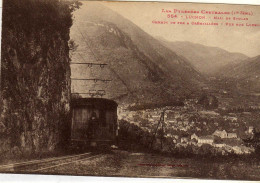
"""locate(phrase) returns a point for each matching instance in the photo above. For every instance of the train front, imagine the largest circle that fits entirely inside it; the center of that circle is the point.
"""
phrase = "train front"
(94, 122)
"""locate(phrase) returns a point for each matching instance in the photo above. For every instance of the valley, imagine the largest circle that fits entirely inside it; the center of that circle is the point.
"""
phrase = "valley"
(200, 89)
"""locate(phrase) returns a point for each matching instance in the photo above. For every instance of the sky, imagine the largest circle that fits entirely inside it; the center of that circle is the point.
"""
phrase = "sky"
(242, 39)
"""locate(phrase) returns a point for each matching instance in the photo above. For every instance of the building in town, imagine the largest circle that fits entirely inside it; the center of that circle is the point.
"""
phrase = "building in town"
(209, 139)
(221, 134)
(184, 139)
(250, 129)
(231, 135)
(194, 136)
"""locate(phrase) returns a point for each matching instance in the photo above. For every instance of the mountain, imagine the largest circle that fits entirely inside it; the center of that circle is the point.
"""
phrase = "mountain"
(140, 67)
(205, 59)
(246, 74)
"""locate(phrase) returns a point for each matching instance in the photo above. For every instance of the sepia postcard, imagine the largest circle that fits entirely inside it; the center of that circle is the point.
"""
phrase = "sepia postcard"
(130, 89)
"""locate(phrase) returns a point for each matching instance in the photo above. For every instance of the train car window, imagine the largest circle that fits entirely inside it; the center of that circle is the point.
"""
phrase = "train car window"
(103, 118)
(85, 117)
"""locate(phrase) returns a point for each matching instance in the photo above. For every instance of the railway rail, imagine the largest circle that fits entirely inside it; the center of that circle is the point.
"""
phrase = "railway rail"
(36, 166)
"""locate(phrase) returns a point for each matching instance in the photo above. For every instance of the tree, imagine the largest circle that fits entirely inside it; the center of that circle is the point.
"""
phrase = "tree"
(254, 141)
(205, 149)
(208, 101)
(72, 45)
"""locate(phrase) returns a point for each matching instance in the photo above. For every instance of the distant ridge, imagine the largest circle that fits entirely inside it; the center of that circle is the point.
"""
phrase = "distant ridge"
(207, 60)
(246, 74)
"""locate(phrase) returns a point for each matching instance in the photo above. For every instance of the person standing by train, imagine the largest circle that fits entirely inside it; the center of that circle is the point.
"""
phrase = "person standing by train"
(92, 126)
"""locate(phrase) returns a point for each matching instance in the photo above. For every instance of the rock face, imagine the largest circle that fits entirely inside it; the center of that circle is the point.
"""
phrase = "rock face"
(35, 72)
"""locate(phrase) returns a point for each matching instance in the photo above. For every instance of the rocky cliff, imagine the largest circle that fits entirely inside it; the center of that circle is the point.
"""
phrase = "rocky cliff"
(35, 72)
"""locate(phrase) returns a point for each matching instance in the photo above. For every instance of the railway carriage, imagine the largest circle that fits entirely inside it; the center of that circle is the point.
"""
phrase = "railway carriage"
(94, 122)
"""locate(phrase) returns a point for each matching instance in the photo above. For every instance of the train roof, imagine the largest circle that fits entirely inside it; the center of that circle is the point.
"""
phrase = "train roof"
(98, 103)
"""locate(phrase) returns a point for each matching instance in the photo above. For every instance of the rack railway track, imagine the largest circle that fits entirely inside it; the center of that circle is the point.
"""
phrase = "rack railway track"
(37, 166)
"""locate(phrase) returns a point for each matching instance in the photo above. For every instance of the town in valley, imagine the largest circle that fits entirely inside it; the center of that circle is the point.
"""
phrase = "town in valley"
(191, 127)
